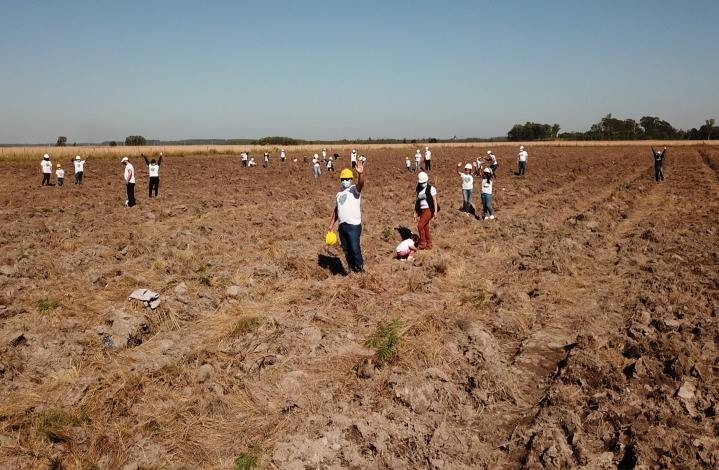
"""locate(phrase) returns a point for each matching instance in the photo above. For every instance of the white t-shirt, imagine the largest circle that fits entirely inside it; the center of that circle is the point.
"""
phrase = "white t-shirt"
(467, 181)
(46, 166)
(79, 165)
(405, 245)
(486, 186)
(353, 156)
(329, 163)
(417, 156)
(282, 155)
(324, 154)
(60, 173)
(523, 156)
(129, 173)
(427, 155)
(423, 204)
(494, 158)
(243, 156)
(316, 163)
(348, 206)
(407, 163)
(252, 162)
(154, 169)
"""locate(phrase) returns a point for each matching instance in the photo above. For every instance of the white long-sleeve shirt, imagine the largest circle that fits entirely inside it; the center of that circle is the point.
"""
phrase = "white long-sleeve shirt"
(129, 173)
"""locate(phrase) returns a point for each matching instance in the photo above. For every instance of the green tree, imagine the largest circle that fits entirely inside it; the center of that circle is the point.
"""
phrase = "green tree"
(709, 123)
(135, 140)
(61, 141)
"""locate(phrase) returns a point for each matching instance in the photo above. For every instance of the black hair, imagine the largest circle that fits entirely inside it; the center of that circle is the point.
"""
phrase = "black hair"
(404, 232)
(153, 161)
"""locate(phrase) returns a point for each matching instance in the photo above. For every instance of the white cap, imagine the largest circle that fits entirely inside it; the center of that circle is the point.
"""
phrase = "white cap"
(422, 177)
(77, 157)
(468, 166)
(124, 159)
(426, 148)
(489, 152)
(521, 147)
(316, 155)
(487, 170)
(46, 156)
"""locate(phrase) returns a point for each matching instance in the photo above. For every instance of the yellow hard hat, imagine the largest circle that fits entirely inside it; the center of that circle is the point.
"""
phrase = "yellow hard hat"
(59, 166)
(346, 174)
(331, 238)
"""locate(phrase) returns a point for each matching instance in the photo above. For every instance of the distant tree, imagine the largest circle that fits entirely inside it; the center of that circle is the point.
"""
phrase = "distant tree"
(113, 143)
(531, 131)
(709, 123)
(432, 140)
(135, 141)
(74, 144)
(61, 141)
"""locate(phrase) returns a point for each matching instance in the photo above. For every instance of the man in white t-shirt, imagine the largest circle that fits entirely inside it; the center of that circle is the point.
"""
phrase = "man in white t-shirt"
(417, 160)
(46, 166)
(243, 158)
(349, 215)
(427, 159)
(129, 175)
(467, 186)
(316, 166)
(60, 175)
(522, 157)
(79, 169)
(282, 155)
(353, 158)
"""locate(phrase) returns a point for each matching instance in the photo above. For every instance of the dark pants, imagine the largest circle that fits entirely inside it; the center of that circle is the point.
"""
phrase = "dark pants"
(428, 165)
(522, 168)
(154, 185)
(487, 205)
(425, 233)
(130, 194)
(350, 240)
(494, 167)
(45, 179)
(60, 181)
(354, 164)
(244, 162)
(659, 172)
(78, 177)
(467, 200)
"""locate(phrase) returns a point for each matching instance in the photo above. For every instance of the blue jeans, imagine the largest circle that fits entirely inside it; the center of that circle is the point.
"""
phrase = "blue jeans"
(350, 240)
(487, 204)
(522, 168)
(467, 200)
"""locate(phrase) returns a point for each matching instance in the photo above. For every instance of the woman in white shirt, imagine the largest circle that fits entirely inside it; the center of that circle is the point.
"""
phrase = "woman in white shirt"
(467, 186)
(487, 194)
(153, 168)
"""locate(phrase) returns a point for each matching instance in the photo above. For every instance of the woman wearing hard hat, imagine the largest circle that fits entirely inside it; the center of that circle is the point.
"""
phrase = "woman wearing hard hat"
(487, 194)
(348, 213)
(467, 186)
(426, 206)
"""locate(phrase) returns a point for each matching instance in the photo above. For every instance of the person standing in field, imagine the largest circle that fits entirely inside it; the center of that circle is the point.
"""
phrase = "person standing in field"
(487, 194)
(467, 186)
(522, 159)
(153, 168)
(129, 175)
(282, 155)
(46, 166)
(353, 158)
(324, 155)
(243, 158)
(427, 159)
(417, 160)
(330, 165)
(493, 164)
(426, 207)
(60, 175)
(659, 164)
(316, 166)
(79, 169)
(349, 215)
(408, 164)
(266, 160)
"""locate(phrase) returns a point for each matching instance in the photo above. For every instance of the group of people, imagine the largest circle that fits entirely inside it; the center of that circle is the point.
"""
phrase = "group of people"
(418, 161)
(46, 167)
(153, 169)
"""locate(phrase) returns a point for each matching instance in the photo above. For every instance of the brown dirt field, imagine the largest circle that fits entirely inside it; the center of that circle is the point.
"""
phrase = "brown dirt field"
(578, 330)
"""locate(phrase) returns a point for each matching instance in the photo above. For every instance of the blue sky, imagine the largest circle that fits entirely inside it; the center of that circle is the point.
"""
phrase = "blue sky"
(94, 70)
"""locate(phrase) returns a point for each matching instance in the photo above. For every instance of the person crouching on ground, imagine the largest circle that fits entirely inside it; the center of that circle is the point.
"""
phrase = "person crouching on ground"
(467, 186)
(46, 166)
(487, 194)
(348, 213)
(426, 207)
(60, 175)
(407, 247)
(129, 175)
(153, 168)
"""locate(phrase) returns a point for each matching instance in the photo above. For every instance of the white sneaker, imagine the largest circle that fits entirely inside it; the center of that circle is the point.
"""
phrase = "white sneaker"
(491, 217)
(486, 218)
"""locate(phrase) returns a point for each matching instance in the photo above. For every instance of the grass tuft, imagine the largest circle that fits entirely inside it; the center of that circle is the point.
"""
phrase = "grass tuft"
(245, 461)
(244, 325)
(45, 306)
(385, 341)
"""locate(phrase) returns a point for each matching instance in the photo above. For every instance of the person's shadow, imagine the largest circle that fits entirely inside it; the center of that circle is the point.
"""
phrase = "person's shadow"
(332, 263)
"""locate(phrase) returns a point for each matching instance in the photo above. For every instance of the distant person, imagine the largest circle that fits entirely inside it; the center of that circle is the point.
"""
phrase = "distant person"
(659, 163)
(522, 159)
(427, 159)
(330, 165)
(417, 160)
(467, 186)
(324, 155)
(243, 158)
(348, 213)
(79, 169)
(493, 164)
(282, 155)
(426, 206)
(129, 176)
(487, 194)
(316, 166)
(60, 175)
(408, 164)
(353, 158)
(46, 166)
(251, 162)
(153, 168)
(266, 160)
(363, 159)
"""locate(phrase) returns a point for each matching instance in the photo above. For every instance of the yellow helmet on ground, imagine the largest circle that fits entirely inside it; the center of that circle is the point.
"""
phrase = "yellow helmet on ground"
(331, 238)
(346, 174)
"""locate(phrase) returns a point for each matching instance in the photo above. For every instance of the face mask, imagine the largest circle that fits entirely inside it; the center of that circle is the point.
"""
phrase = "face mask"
(346, 183)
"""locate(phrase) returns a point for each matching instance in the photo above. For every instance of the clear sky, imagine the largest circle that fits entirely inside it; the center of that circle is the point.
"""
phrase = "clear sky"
(99, 70)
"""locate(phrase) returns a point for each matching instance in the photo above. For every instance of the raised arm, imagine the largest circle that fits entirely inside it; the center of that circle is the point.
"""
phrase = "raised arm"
(159, 160)
(147, 162)
(360, 176)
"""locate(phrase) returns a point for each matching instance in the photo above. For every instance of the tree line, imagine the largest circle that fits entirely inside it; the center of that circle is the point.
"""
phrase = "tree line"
(611, 128)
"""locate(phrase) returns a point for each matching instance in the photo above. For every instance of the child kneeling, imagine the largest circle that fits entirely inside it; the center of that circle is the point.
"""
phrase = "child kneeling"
(407, 248)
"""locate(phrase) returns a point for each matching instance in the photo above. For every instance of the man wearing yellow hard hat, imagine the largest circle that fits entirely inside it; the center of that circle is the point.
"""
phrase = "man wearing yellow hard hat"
(348, 213)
